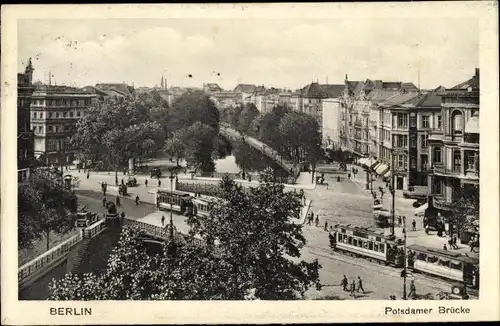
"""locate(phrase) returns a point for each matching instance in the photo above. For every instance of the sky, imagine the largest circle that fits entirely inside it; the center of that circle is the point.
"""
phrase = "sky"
(281, 53)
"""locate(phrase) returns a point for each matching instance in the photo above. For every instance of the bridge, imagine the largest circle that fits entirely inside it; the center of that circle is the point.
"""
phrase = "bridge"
(35, 269)
(264, 149)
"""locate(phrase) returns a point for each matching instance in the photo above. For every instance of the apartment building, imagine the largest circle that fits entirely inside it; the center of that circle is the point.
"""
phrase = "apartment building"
(360, 117)
(454, 147)
(55, 111)
(244, 93)
(25, 137)
(405, 121)
(330, 128)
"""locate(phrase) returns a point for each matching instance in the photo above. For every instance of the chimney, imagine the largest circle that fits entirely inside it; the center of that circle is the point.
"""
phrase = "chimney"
(477, 72)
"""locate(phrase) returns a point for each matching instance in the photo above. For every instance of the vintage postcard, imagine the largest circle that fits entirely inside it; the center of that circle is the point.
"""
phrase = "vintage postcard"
(249, 163)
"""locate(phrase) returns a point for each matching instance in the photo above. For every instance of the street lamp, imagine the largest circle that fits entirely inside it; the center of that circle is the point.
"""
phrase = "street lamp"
(171, 177)
(391, 188)
(405, 259)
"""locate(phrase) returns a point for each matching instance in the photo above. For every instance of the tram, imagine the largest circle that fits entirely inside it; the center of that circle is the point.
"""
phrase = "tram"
(361, 242)
(202, 206)
(444, 264)
(180, 201)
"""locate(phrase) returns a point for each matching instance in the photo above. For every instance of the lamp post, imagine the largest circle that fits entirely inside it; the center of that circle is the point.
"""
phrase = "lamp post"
(171, 177)
(393, 204)
(405, 259)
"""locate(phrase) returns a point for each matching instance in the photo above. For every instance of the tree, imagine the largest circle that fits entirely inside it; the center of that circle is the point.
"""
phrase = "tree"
(117, 130)
(44, 206)
(254, 232)
(247, 115)
(465, 215)
(192, 107)
(175, 147)
(249, 251)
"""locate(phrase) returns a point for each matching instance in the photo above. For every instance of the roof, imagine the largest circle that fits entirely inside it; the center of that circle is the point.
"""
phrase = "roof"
(60, 89)
(120, 87)
(444, 253)
(332, 91)
(472, 82)
(245, 88)
(409, 86)
(213, 87)
(426, 100)
(316, 90)
(380, 95)
(399, 98)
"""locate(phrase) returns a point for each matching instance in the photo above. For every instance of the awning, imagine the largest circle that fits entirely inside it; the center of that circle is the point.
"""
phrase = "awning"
(362, 160)
(472, 126)
(381, 169)
(387, 174)
(376, 166)
(419, 211)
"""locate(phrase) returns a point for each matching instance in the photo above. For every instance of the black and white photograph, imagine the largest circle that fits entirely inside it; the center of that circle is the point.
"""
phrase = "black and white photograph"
(260, 159)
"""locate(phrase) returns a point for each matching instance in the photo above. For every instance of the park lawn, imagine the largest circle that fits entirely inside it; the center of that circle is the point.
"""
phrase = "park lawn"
(25, 255)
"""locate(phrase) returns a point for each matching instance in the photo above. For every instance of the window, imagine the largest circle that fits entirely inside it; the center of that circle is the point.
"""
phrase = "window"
(64, 114)
(457, 122)
(34, 115)
(71, 114)
(66, 128)
(50, 128)
(77, 113)
(413, 141)
(439, 121)
(57, 114)
(51, 145)
(413, 120)
(472, 161)
(437, 188)
(400, 161)
(402, 120)
(413, 162)
(40, 129)
(57, 128)
(437, 155)
(51, 114)
(423, 162)
(457, 161)
(425, 121)
(423, 141)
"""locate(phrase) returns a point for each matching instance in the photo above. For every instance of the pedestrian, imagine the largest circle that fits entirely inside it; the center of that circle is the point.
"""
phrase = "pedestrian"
(146, 182)
(326, 226)
(400, 221)
(455, 246)
(413, 290)
(249, 178)
(414, 225)
(159, 182)
(137, 200)
(472, 245)
(88, 174)
(348, 176)
(117, 200)
(360, 285)
(444, 247)
(353, 289)
(316, 221)
(243, 175)
(104, 202)
(122, 215)
(78, 169)
(162, 220)
(344, 284)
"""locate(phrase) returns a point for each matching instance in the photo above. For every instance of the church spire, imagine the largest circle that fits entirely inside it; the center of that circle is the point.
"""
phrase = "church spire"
(162, 82)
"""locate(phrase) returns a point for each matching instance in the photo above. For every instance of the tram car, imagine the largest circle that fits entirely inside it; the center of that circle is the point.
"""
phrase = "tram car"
(361, 242)
(180, 201)
(202, 206)
(444, 264)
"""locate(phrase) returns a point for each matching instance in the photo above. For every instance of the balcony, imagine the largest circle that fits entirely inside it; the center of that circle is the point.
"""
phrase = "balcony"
(440, 202)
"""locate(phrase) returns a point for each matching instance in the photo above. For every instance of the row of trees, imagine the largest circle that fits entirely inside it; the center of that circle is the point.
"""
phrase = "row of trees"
(44, 207)
(294, 134)
(257, 251)
(120, 129)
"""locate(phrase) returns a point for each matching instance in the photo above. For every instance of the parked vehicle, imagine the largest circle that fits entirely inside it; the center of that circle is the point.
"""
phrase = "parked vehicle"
(132, 182)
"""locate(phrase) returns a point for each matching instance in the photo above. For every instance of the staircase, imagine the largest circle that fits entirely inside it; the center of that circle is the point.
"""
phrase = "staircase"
(76, 256)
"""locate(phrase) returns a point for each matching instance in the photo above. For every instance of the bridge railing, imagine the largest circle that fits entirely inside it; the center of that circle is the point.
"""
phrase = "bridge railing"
(94, 229)
(47, 258)
(152, 230)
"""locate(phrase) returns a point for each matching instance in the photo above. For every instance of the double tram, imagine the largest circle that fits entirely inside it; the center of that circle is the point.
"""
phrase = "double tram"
(444, 264)
(179, 201)
(361, 242)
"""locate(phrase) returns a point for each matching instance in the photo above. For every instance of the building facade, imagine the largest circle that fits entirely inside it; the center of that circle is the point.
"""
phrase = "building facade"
(244, 93)
(454, 148)
(361, 120)
(55, 111)
(330, 128)
(25, 136)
